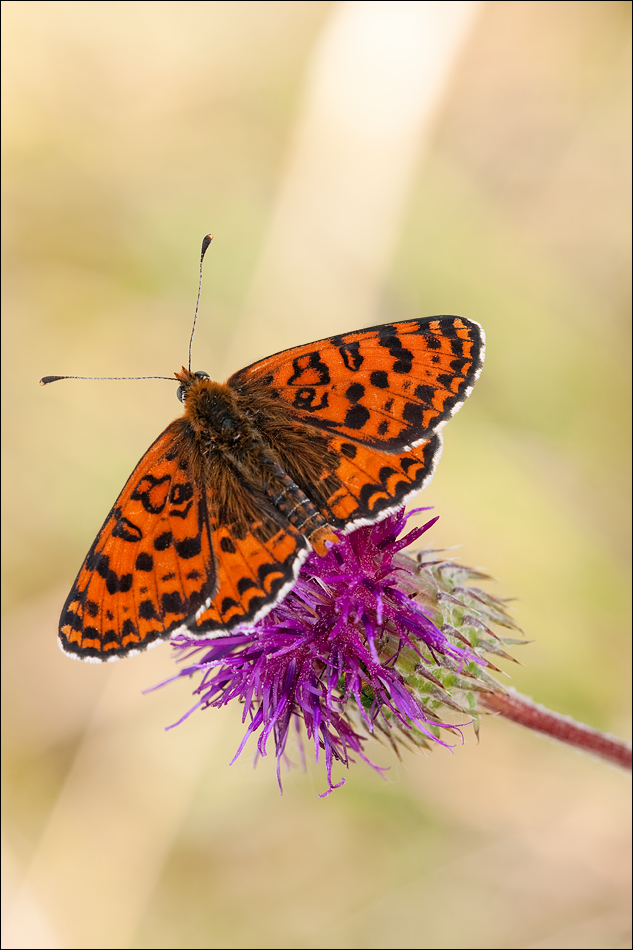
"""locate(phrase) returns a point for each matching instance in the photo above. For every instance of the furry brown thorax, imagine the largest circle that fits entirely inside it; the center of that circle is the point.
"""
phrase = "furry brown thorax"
(216, 428)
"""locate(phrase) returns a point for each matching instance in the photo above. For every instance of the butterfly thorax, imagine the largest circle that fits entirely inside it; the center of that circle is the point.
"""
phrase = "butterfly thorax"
(213, 413)
(219, 431)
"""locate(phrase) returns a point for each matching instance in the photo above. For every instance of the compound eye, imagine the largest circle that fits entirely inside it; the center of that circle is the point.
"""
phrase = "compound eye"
(202, 375)
(181, 392)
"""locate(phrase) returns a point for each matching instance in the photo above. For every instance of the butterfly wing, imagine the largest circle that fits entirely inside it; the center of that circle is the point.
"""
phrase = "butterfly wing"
(151, 565)
(257, 562)
(375, 484)
(354, 419)
(168, 559)
(388, 387)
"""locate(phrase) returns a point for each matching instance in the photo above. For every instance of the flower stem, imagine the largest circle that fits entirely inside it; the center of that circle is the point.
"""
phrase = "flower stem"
(525, 712)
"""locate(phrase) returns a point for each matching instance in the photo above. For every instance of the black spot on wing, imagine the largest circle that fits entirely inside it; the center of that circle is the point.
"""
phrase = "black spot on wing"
(70, 619)
(351, 356)
(114, 584)
(125, 583)
(189, 547)
(163, 541)
(379, 379)
(227, 605)
(356, 417)
(457, 366)
(152, 492)
(306, 399)
(385, 473)
(425, 393)
(389, 338)
(181, 493)
(447, 327)
(355, 392)
(171, 603)
(244, 584)
(128, 628)
(144, 562)
(413, 414)
(265, 569)
(146, 610)
(125, 529)
(368, 505)
(310, 363)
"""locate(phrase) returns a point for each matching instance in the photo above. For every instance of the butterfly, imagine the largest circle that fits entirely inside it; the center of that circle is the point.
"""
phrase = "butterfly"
(213, 525)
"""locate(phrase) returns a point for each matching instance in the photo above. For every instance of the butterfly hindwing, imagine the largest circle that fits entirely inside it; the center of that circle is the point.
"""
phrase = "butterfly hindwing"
(388, 387)
(257, 563)
(375, 484)
(350, 484)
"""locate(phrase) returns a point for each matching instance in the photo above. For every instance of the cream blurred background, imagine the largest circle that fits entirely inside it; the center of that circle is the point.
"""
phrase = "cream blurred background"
(357, 163)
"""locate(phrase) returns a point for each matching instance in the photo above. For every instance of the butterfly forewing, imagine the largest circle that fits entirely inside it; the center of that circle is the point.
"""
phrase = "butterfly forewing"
(151, 565)
(387, 387)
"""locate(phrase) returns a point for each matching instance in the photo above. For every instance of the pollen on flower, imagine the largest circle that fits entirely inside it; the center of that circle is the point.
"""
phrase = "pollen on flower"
(368, 642)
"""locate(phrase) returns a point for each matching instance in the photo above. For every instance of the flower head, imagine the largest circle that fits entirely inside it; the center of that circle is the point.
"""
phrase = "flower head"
(367, 642)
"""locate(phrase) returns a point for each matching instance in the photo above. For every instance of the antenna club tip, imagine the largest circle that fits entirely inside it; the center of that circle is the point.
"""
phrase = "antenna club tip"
(45, 380)
(205, 243)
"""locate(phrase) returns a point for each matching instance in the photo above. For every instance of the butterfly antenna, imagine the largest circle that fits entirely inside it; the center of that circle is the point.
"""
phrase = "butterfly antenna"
(205, 244)
(45, 380)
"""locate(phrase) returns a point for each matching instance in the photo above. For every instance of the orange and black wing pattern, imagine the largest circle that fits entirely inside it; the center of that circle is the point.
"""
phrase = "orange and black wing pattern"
(257, 563)
(165, 562)
(388, 387)
(150, 567)
(375, 484)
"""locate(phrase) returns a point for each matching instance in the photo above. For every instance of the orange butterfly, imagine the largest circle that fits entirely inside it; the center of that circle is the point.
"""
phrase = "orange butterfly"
(214, 523)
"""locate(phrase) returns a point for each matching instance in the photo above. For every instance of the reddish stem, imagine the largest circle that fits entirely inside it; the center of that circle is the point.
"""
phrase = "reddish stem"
(525, 712)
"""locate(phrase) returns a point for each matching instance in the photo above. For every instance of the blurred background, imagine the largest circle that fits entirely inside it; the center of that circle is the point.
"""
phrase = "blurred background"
(357, 163)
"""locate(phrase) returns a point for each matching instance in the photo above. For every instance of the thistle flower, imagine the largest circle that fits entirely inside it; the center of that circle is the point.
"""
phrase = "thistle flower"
(368, 642)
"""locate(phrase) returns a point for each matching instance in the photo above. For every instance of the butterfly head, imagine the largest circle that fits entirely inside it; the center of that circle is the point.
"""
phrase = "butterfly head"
(186, 379)
(211, 408)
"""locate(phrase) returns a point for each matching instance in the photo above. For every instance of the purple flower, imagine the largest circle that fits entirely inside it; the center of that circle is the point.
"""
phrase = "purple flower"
(356, 649)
